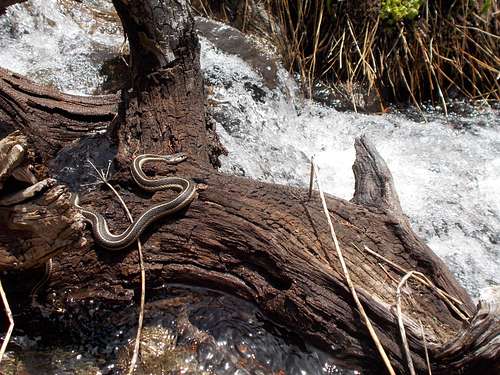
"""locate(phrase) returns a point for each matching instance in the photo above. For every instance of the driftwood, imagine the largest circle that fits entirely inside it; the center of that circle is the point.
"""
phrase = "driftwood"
(6, 3)
(266, 243)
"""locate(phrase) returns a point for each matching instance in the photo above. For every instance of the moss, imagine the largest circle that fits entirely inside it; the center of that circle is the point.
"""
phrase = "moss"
(393, 11)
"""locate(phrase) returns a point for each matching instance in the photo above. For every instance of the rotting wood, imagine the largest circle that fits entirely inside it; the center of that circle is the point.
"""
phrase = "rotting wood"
(6, 3)
(266, 243)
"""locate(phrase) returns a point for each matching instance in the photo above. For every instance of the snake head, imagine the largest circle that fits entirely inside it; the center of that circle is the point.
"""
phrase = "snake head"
(175, 158)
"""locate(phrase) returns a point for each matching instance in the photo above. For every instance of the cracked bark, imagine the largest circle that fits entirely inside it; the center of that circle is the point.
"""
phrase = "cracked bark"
(266, 243)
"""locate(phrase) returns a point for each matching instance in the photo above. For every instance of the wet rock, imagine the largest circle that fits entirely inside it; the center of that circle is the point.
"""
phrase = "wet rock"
(348, 97)
(234, 42)
(258, 94)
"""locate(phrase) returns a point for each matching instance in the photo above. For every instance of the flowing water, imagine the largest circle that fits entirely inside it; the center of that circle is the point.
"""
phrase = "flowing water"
(446, 169)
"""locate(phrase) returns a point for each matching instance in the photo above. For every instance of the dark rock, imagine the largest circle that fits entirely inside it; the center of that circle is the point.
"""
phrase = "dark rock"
(234, 42)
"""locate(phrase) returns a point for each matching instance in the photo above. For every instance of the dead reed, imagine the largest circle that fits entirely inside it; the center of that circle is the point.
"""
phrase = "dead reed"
(444, 50)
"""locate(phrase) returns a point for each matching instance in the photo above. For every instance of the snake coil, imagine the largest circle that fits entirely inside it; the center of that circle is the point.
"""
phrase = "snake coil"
(187, 193)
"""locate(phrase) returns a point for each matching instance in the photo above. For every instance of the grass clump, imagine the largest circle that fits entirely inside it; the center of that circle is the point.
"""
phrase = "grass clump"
(403, 49)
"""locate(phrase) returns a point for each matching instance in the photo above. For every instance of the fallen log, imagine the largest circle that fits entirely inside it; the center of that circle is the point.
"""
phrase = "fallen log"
(266, 243)
(6, 3)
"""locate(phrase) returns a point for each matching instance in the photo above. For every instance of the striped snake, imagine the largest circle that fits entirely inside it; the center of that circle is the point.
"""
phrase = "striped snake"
(120, 241)
(100, 228)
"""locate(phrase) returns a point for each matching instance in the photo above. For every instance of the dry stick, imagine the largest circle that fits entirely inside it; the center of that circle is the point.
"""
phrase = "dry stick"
(401, 324)
(341, 49)
(425, 348)
(311, 179)
(348, 279)
(11, 322)
(133, 362)
(419, 277)
(387, 273)
(121, 51)
(446, 296)
(361, 58)
(315, 50)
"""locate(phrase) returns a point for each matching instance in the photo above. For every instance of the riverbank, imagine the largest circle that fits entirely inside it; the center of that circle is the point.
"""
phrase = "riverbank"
(397, 50)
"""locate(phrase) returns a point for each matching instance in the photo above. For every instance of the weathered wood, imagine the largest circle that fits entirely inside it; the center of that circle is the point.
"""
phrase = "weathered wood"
(374, 186)
(33, 226)
(51, 119)
(265, 243)
(6, 3)
(12, 152)
(166, 109)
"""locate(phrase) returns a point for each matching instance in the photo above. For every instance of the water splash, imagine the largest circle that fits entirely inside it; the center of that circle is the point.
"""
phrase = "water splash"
(59, 42)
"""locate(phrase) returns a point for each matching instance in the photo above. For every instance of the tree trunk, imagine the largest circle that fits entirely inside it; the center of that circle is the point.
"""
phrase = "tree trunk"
(266, 243)
(6, 3)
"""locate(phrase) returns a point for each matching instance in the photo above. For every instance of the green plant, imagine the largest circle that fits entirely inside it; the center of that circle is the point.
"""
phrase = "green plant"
(398, 10)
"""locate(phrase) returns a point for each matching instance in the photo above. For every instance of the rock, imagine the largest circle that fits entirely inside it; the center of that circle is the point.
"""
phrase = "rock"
(234, 42)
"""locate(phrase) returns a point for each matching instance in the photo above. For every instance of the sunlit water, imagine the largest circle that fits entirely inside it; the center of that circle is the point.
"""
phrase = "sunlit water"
(186, 331)
(59, 42)
(446, 170)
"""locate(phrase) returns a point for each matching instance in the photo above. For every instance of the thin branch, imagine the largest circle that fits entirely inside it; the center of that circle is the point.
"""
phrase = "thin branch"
(401, 324)
(311, 179)
(427, 360)
(448, 298)
(424, 280)
(8, 312)
(362, 312)
(104, 177)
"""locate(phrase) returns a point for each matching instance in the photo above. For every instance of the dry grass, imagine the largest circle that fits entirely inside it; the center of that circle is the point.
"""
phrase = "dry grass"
(8, 312)
(452, 49)
(345, 271)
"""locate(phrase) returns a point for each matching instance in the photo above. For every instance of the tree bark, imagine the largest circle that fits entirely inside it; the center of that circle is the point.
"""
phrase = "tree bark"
(266, 243)
(53, 120)
(6, 3)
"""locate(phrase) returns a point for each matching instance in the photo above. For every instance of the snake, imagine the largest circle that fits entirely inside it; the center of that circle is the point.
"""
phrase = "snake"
(187, 193)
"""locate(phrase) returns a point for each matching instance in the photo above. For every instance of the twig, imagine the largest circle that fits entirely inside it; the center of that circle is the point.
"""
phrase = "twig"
(104, 177)
(8, 312)
(348, 279)
(425, 348)
(423, 281)
(311, 179)
(387, 273)
(121, 51)
(401, 324)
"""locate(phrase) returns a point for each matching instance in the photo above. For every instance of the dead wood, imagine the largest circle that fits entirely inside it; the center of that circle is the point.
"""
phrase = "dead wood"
(51, 119)
(6, 3)
(265, 243)
(33, 226)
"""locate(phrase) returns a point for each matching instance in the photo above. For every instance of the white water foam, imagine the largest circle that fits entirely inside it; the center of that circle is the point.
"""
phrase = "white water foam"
(57, 43)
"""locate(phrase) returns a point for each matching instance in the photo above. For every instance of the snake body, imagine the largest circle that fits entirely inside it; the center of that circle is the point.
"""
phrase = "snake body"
(120, 241)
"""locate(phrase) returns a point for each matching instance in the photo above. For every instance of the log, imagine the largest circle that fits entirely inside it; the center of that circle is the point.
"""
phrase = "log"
(60, 118)
(6, 3)
(266, 243)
